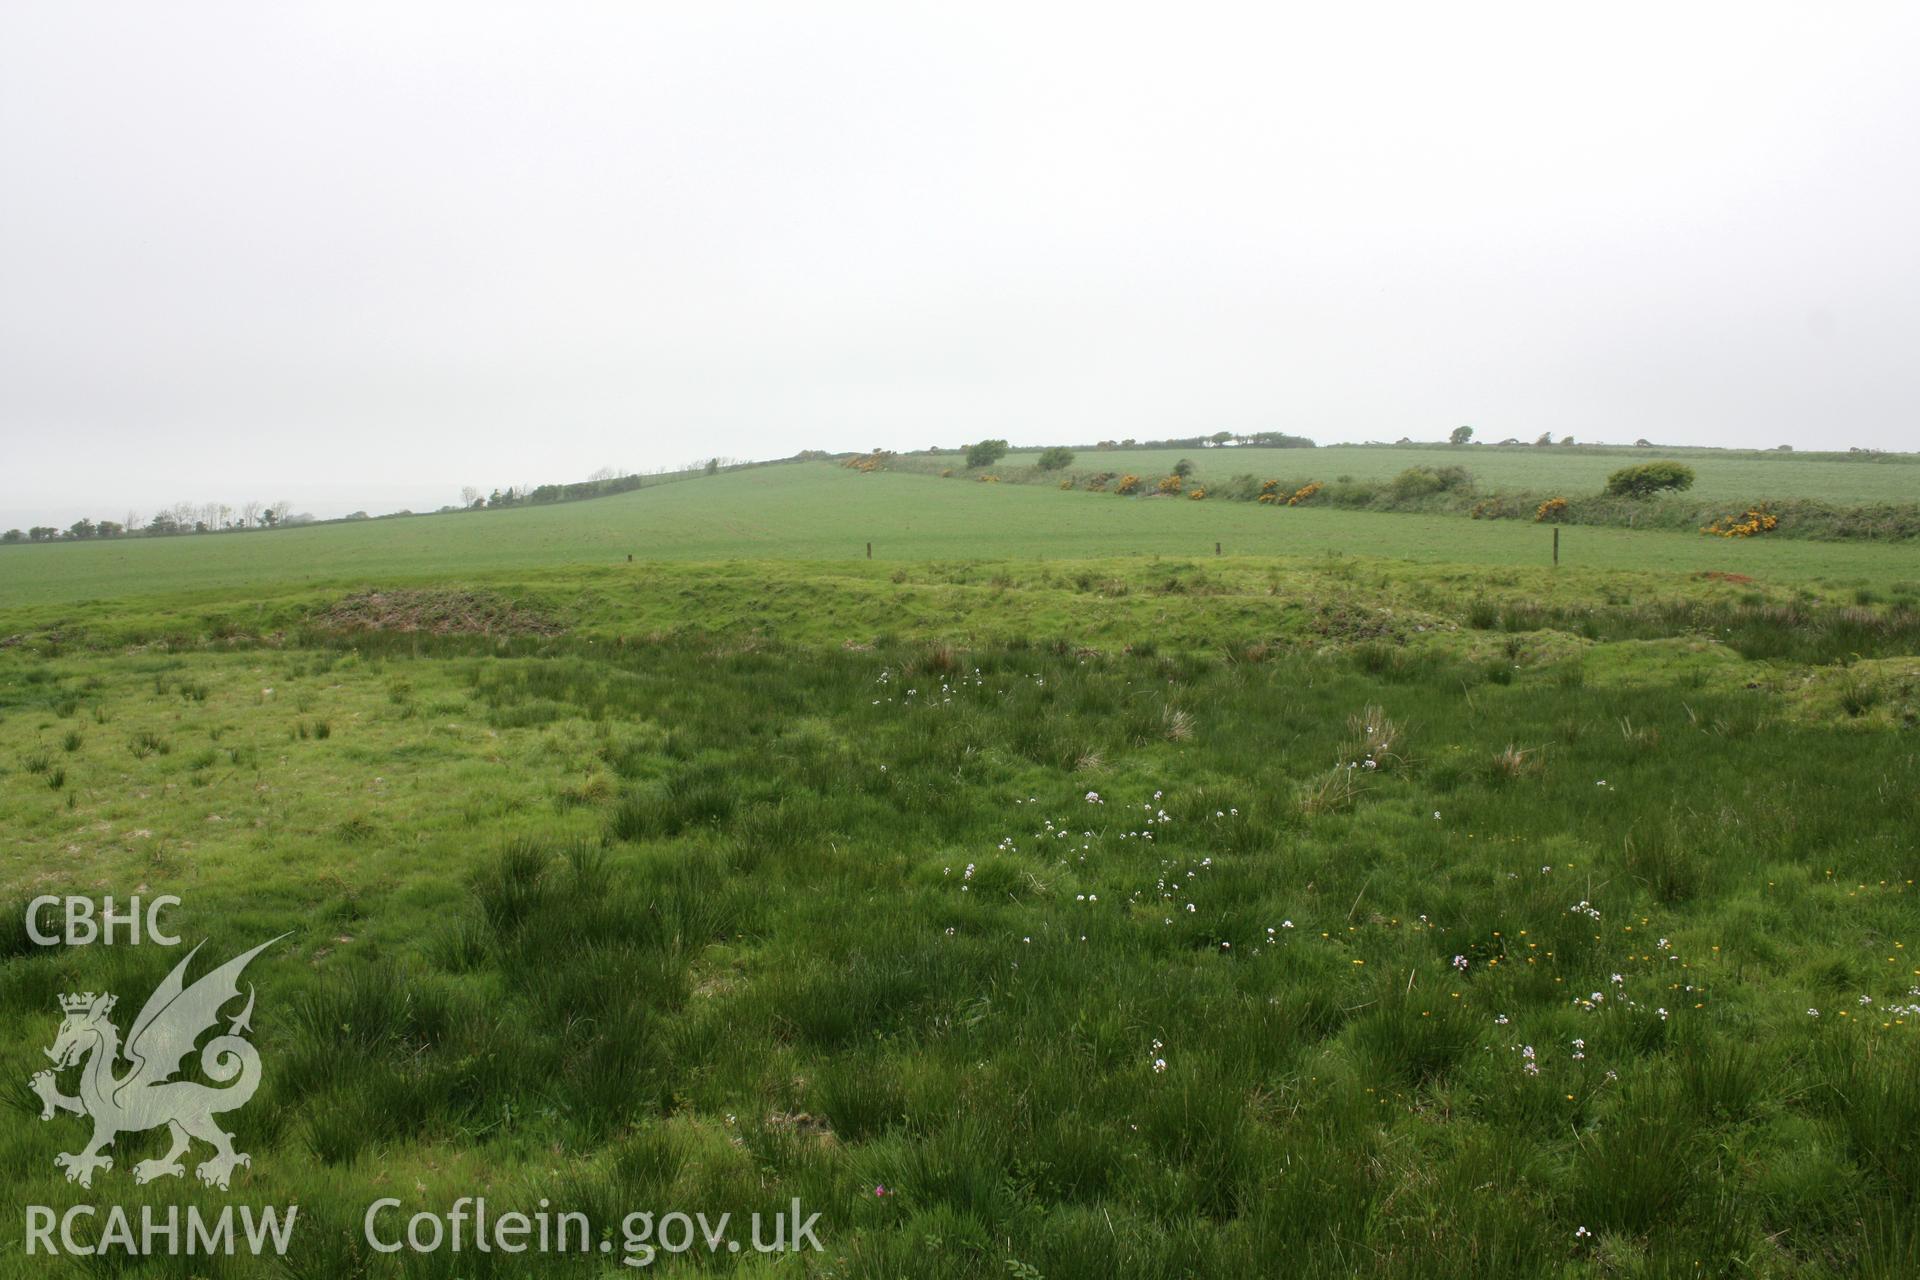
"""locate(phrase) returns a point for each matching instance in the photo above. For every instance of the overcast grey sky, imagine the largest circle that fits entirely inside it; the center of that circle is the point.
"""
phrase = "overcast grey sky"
(361, 255)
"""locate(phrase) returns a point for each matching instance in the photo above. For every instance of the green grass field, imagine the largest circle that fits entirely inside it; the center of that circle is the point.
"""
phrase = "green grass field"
(816, 511)
(1733, 477)
(1045, 898)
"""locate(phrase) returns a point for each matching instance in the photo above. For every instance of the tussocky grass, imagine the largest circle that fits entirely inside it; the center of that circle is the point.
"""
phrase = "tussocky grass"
(1453, 951)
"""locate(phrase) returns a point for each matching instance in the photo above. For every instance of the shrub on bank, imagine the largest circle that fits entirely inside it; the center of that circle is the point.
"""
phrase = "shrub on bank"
(1649, 478)
(1421, 482)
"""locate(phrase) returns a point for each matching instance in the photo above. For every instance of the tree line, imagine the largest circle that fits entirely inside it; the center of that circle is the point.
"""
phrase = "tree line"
(220, 517)
(598, 485)
(181, 517)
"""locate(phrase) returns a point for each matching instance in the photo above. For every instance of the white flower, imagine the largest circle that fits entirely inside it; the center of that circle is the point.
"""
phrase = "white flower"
(1813, 1013)
(1159, 1065)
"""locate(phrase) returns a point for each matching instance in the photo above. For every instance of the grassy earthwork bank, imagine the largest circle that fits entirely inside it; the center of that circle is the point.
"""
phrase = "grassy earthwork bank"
(1724, 475)
(1835, 497)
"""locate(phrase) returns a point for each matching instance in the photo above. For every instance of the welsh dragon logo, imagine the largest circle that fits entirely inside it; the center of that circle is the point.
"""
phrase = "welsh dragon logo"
(147, 1096)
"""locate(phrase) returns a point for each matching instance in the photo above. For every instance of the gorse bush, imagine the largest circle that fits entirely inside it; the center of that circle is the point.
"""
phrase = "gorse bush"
(1752, 521)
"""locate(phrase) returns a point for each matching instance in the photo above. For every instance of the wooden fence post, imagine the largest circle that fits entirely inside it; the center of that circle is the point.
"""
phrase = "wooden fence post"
(1556, 546)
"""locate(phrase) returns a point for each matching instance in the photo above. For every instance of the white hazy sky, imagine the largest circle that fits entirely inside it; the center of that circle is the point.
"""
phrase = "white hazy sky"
(363, 254)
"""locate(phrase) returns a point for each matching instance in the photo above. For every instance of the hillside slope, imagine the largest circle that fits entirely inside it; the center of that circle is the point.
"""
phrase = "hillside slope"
(815, 511)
